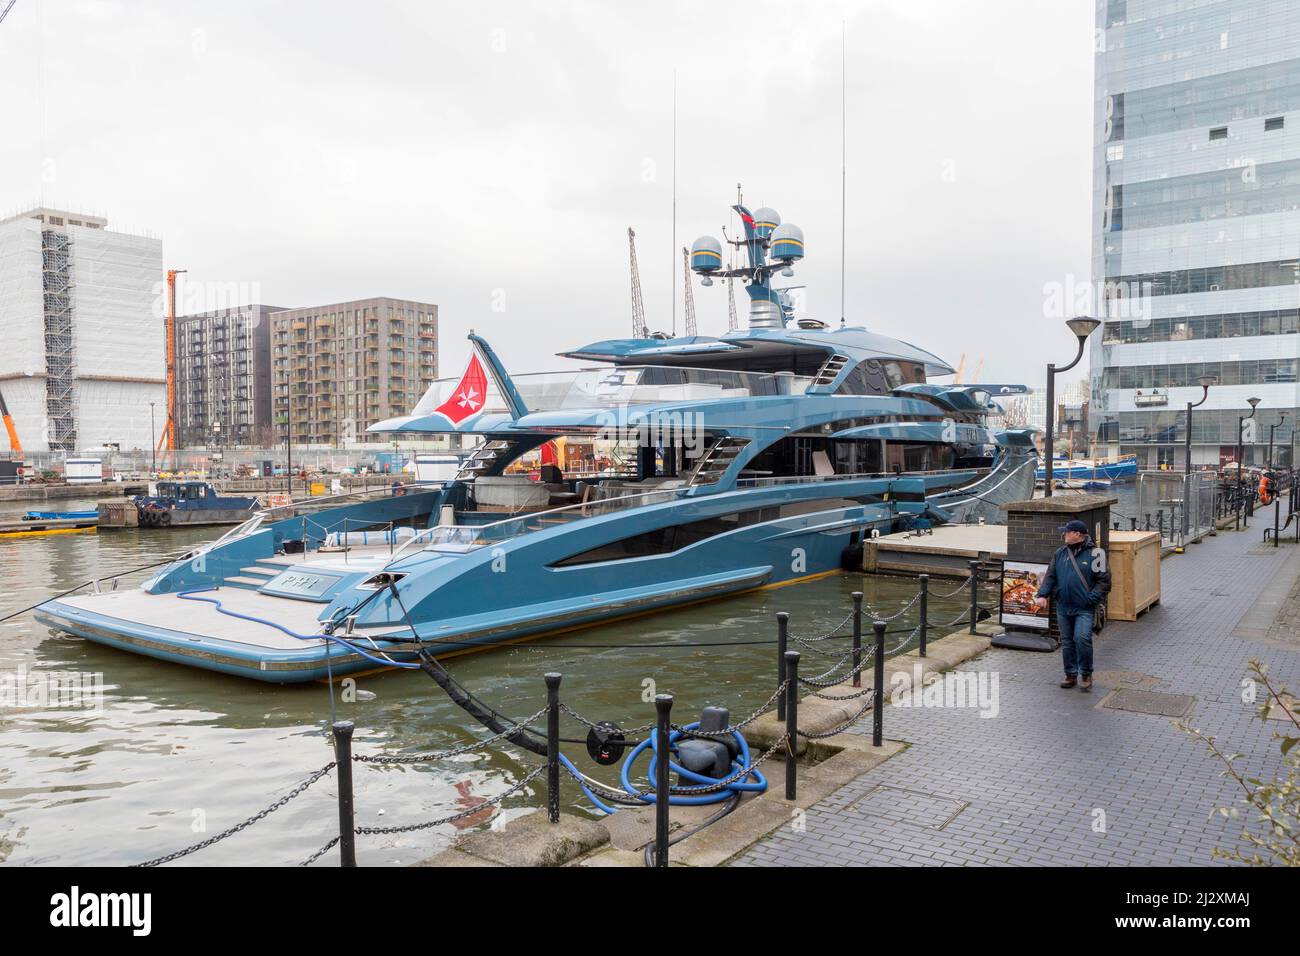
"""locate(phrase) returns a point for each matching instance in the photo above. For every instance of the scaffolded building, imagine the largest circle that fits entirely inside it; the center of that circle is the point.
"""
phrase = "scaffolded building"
(83, 355)
(223, 377)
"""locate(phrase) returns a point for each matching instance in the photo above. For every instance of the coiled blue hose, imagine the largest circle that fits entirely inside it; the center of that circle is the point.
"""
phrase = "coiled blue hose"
(751, 782)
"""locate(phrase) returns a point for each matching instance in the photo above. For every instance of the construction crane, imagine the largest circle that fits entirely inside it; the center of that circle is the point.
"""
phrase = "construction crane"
(14, 444)
(639, 329)
(4, 10)
(168, 438)
(690, 296)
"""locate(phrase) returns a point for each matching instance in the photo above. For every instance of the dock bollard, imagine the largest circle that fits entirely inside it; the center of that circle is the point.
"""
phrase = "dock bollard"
(925, 610)
(974, 595)
(782, 641)
(553, 747)
(791, 722)
(663, 707)
(857, 639)
(347, 825)
(1133, 524)
(878, 700)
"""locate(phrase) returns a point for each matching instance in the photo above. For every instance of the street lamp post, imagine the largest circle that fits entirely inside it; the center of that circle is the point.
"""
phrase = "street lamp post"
(1082, 327)
(1241, 421)
(1280, 419)
(1205, 381)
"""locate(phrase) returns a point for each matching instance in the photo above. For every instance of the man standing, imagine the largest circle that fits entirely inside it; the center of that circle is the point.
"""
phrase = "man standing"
(1078, 581)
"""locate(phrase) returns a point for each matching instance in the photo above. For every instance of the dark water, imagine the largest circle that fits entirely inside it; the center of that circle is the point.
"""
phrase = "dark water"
(176, 755)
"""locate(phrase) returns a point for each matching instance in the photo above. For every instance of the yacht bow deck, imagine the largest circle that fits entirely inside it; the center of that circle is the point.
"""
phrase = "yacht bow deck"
(203, 622)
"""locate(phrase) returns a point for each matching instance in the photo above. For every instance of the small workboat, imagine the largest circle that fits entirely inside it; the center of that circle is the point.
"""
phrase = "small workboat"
(1090, 469)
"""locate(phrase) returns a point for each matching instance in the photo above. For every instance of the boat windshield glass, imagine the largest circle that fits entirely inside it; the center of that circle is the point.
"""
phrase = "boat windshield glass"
(467, 537)
(609, 386)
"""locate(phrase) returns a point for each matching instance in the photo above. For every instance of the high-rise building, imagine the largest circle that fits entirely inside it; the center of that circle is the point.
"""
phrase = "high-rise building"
(83, 354)
(223, 377)
(1196, 229)
(340, 368)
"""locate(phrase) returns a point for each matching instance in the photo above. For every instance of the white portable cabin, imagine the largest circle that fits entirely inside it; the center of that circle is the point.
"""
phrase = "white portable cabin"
(84, 471)
(436, 467)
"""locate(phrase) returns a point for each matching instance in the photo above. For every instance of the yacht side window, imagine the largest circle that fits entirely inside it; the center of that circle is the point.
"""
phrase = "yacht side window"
(894, 375)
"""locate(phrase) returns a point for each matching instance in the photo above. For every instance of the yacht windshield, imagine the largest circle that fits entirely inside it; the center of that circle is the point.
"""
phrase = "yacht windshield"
(609, 386)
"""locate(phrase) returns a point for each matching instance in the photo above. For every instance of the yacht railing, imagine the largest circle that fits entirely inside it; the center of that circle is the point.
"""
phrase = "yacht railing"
(815, 479)
(314, 505)
(477, 536)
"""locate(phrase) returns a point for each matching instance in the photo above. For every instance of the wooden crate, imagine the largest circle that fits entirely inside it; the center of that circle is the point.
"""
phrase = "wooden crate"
(1134, 573)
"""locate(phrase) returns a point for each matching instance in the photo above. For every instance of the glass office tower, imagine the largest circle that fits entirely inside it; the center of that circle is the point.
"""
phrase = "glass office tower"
(1196, 226)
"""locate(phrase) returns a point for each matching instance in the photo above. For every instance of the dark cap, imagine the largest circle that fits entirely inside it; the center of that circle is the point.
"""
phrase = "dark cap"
(1075, 525)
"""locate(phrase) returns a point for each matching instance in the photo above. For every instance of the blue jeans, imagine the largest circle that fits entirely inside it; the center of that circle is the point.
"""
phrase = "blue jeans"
(1076, 640)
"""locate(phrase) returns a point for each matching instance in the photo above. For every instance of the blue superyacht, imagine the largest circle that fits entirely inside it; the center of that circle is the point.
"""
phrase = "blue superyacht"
(757, 458)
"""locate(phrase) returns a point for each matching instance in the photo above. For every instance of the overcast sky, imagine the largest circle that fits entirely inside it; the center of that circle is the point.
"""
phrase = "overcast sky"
(490, 157)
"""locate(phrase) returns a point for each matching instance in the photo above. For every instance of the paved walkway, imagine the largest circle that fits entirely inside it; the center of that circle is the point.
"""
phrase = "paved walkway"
(1055, 778)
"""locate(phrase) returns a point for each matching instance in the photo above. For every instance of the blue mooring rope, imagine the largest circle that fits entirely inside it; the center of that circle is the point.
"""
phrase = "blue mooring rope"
(384, 662)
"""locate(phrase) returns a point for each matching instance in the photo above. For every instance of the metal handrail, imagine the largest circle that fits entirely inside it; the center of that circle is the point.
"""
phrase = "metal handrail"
(597, 506)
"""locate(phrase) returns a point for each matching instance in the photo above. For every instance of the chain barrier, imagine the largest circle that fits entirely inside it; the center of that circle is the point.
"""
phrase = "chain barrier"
(442, 755)
(834, 631)
(240, 826)
(907, 607)
(477, 808)
(954, 592)
(321, 852)
(815, 650)
(823, 734)
(594, 724)
(861, 693)
(821, 681)
(737, 727)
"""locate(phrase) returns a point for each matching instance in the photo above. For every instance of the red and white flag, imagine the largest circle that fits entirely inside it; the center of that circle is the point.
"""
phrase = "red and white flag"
(468, 398)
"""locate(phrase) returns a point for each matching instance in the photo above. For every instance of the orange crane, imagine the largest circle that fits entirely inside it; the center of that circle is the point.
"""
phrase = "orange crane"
(168, 438)
(14, 443)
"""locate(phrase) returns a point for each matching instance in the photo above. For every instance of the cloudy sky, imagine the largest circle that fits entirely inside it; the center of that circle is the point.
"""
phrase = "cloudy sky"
(490, 157)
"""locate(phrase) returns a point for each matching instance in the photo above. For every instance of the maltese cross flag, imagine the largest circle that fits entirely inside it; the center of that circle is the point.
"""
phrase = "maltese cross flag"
(467, 400)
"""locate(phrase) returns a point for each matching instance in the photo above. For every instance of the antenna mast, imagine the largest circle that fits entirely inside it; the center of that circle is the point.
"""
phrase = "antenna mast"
(690, 297)
(844, 158)
(672, 273)
(731, 282)
(639, 330)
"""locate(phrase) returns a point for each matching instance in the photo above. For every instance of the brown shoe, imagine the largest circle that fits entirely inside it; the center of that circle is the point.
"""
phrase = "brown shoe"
(1069, 681)
(1087, 684)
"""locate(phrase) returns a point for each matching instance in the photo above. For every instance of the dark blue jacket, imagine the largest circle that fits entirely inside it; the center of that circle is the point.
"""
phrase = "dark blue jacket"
(1063, 585)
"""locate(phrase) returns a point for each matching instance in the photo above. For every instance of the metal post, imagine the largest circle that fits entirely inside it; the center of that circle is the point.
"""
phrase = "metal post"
(553, 746)
(857, 639)
(782, 640)
(663, 707)
(1277, 513)
(1133, 523)
(791, 722)
(1240, 420)
(925, 610)
(974, 595)
(347, 826)
(878, 688)
(1047, 430)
